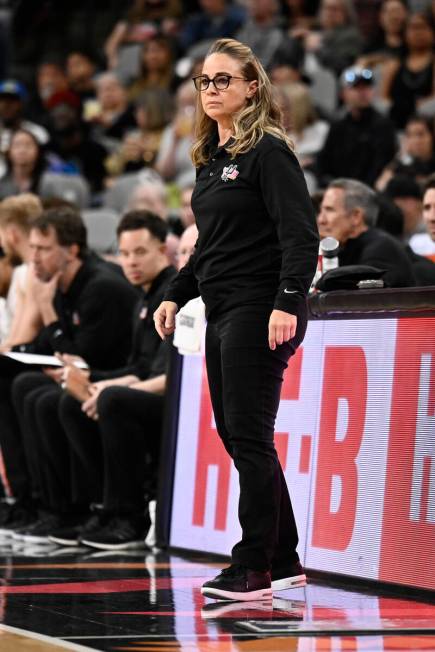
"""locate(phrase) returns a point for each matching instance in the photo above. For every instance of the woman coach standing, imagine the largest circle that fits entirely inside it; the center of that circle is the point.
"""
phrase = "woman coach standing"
(253, 263)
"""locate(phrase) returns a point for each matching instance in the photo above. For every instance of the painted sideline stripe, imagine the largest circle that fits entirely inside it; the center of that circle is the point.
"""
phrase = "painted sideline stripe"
(50, 640)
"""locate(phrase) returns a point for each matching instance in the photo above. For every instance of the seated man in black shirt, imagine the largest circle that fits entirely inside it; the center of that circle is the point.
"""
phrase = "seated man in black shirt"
(111, 435)
(362, 142)
(349, 212)
(83, 309)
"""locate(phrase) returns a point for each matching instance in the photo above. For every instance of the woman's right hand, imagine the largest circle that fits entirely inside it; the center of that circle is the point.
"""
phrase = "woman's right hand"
(164, 318)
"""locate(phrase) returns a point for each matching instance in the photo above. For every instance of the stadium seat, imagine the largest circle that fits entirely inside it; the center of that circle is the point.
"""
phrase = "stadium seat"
(101, 224)
(73, 188)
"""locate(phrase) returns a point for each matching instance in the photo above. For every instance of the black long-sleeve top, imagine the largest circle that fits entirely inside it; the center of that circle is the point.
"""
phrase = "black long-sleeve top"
(258, 238)
(148, 355)
(94, 319)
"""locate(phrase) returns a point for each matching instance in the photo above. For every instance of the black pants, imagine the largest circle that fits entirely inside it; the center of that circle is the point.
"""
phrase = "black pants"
(17, 428)
(113, 451)
(245, 379)
(11, 442)
(36, 399)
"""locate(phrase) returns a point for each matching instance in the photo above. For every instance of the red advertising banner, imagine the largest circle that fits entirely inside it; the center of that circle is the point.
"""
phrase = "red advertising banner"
(355, 434)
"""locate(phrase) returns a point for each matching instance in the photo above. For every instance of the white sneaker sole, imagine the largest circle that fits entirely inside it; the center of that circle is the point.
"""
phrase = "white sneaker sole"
(260, 594)
(289, 583)
(36, 539)
(70, 543)
(17, 536)
(131, 545)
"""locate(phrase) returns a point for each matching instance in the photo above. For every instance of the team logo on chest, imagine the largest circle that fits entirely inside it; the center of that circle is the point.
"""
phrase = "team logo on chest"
(230, 172)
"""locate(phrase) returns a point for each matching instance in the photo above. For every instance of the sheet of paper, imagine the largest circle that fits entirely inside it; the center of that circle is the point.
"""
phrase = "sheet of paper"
(41, 360)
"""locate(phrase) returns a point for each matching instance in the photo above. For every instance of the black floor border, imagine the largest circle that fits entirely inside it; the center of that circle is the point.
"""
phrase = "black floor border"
(339, 580)
(338, 632)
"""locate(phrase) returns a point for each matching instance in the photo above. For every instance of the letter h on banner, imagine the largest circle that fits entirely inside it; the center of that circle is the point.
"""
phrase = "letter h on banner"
(211, 452)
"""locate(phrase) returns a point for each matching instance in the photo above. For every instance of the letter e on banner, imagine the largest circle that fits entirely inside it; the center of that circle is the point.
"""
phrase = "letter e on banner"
(344, 399)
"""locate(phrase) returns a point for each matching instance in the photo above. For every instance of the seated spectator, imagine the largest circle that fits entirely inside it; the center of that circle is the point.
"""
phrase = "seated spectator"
(6, 271)
(23, 316)
(408, 82)
(50, 80)
(389, 41)
(81, 68)
(173, 160)
(416, 158)
(157, 67)
(337, 42)
(307, 132)
(12, 101)
(186, 213)
(349, 212)
(406, 193)
(300, 14)
(115, 116)
(391, 220)
(216, 19)
(287, 65)
(187, 246)
(262, 30)
(142, 21)
(139, 148)
(151, 195)
(117, 471)
(25, 165)
(360, 144)
(76, 151)
(424, 243)
(83, 310)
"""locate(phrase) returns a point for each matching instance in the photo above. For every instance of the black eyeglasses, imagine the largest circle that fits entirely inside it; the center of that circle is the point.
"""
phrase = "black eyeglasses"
(220, 82)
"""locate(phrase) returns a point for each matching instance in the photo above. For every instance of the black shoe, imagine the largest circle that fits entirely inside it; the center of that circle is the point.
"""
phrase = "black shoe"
(39, 531)
(239, 583)
(19, 516)
(288, 577)
(6, 508)
(73, 535)
(120, 533)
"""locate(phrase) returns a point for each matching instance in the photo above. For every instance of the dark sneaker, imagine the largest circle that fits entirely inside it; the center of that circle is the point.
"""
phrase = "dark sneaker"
(73, 535)
(120, 533)
(239, 583)
(6, 508)
(20, 516)
(39, 531)
(288, 577)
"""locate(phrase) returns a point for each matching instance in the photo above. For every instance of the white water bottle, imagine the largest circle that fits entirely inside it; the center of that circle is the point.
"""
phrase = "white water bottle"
(329, 247)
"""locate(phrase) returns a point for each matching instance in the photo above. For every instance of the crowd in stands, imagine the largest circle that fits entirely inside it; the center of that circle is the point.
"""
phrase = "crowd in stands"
(95, 217)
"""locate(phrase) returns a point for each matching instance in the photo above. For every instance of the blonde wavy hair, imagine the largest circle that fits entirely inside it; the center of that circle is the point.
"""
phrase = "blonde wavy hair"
(261, 114)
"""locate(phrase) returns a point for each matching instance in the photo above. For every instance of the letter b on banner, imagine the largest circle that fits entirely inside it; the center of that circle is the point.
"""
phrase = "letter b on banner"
(408, 532)
(344, 400)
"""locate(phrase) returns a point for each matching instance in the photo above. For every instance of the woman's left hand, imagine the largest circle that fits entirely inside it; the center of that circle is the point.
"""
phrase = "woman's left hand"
(282, 328)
